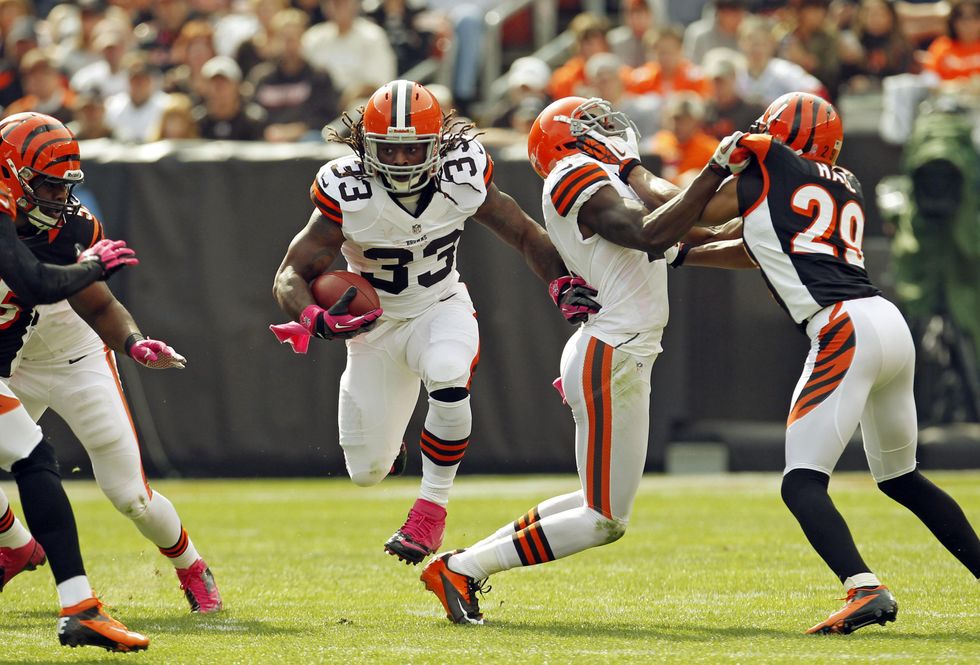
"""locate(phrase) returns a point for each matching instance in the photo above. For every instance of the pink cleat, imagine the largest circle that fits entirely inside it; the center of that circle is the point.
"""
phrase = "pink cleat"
(421, 535)
(198, 585)
(13, 560)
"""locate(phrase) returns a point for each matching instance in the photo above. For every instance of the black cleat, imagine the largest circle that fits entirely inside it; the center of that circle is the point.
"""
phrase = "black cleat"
(864, 606)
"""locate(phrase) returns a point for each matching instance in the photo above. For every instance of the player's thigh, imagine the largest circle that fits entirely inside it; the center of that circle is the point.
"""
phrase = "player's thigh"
(377, 397)
(19, 434)
(609, 394)
(32, 384)
(889, 424)
(444, 344)
(829, 398)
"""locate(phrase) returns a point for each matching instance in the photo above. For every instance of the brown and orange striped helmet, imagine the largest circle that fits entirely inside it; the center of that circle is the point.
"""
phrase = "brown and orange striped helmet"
(402, 112)
(35, 150)
(806, 123)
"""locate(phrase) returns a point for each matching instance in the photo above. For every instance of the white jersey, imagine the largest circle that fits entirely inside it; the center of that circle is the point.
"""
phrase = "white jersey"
(60, 334)
(409, 258)
(632, 288)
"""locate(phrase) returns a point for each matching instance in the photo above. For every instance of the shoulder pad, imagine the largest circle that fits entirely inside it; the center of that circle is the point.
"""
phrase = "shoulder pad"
(341, 186)
(87, 228)
(469, 164)
(573, 177)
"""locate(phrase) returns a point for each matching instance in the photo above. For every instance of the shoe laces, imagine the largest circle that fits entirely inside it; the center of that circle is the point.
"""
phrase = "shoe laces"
(478, 586)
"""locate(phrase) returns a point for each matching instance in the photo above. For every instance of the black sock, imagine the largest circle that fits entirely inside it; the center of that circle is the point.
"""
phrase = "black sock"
(49, 517)
(940, 513)
(805, 494)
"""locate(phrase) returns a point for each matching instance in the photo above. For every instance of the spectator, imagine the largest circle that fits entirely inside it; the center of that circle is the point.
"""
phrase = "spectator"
(193, 47)
(766, 77)
(627, 40)
(19, 40)
(684, 147)
(79, 50)
(177, 120)
(88, 117)
(225, 114)
(157, 36)
(606, 77)
(812, 43)
(44, 90)
(258, 48)
(589, 31)
(297, 99)
(353, 50)
(106, 76)
(876, 47)
(133, 113)
(527, 79)
(844, 14)
(408, 40)
(718, 30)
(956, 56)
(667, 71)
(726, 111)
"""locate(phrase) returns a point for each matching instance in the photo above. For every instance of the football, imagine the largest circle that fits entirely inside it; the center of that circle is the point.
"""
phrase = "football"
(330, 286)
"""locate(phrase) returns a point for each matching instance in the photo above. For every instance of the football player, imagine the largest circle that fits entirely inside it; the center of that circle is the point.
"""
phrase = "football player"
(68, 364)
(38, 168)
(803, 223)
(395, 209)
(597, 215)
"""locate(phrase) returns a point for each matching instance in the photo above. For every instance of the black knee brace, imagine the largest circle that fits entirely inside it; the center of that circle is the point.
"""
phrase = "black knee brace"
(42, 458)
(450, 394)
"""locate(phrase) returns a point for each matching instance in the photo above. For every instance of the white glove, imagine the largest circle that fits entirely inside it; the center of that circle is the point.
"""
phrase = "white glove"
(623, 152)
(729, 157)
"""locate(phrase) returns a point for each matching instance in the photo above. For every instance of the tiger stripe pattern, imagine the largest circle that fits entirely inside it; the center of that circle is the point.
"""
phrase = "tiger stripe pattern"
(441, 451)
(837, 342)
(532, 545)
(571, 185)
(596, 379)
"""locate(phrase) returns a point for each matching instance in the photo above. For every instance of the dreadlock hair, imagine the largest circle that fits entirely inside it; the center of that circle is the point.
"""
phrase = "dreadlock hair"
(456, 133)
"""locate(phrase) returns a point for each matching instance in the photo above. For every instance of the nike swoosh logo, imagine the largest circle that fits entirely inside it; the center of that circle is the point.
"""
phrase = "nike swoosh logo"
(72, 361)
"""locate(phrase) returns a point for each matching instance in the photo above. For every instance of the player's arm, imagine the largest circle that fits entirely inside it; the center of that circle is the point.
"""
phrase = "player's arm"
(117, 328)
(652, 190)
(501, 214)
(310, 253)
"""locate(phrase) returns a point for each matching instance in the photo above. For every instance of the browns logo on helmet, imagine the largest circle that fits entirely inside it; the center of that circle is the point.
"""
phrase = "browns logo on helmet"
(38, 150)
(402, 112)
(557, 130)
(806, 123)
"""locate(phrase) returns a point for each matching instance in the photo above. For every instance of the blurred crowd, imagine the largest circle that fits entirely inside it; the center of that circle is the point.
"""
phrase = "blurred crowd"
(689, 72)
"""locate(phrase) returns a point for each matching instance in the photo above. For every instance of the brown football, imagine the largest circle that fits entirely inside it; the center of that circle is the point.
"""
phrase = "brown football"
(330, 286)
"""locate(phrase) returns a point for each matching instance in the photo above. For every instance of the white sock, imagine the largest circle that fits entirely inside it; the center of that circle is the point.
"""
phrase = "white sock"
(861, 579)
(161, 526)
(74, 590)
(444, 437)
(15, 535)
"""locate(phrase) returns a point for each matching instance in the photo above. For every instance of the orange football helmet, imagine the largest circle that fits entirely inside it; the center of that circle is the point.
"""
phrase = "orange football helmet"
(402, 112)
(37, 149)
(557, 129)
(806, 123)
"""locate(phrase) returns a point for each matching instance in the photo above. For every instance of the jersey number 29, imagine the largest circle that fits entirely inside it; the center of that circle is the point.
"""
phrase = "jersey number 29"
(816, 202)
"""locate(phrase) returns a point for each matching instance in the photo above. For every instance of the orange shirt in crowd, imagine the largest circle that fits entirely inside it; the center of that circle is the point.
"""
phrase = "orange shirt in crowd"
(679, 158)
(953, 60)
(650, 78)
(566, 79)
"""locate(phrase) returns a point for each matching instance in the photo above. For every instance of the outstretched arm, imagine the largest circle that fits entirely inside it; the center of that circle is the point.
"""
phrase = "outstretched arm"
(501, 214)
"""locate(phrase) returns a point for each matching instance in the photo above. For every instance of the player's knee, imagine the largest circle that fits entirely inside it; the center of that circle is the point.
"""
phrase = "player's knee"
(448, 363)
(608, 529)
(904, 486)
(369, 477)
(132, 502)
(799, 485)
(41, 459)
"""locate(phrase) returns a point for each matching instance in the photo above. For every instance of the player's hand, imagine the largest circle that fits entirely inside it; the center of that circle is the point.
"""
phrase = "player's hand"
(730, 158)
(110, 255)
(573, 295)
(337, 322)
(155, 354)
(623, 152)
(8, 204)
(676, 254)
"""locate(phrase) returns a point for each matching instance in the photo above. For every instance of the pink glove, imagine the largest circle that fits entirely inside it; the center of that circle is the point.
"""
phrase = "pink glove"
(110, 255)
(294, 334)
(337, 322)
(573, 295)
(153, 353)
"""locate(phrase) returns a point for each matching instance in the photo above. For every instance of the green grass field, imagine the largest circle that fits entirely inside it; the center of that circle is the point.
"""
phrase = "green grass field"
(712, 570)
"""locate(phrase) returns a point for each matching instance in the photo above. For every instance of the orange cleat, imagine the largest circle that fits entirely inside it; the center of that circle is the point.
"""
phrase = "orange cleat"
(14, 560)
(456, 592)
(87, 624)
(864, 606)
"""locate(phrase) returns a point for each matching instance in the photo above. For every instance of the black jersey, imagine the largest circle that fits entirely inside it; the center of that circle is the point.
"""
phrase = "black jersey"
(57, 246)
(804, 226)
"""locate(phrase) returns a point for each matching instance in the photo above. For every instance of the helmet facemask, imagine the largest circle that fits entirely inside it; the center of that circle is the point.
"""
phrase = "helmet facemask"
(596, 115)
(46, 214)
(402, 178)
